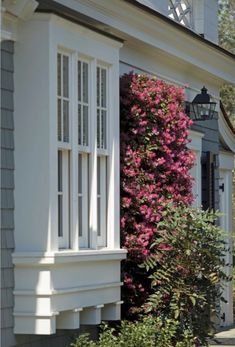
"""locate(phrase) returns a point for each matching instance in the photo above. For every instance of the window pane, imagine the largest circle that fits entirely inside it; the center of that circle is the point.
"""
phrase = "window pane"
(98, 85)
(79, 173)
(85, 125)
(103, 129)
(98, 217)
(79, 125)
(66, 121)
(65, 76)
(103, 88)
(80, 212)
(98, 128)
(98, 175)
(59, 125)
(79, 81)
(85, 82)
(59, 74)
(60, 182)
(60, 215)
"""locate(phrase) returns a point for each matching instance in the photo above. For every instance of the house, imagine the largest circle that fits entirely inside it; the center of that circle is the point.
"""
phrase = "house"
(60, 67)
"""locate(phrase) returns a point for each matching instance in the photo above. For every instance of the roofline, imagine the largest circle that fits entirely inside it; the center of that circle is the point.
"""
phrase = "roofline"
(53, 7)
(179, 26)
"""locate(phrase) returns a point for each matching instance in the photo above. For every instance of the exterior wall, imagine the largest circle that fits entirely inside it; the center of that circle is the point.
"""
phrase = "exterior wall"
(7, 192)
(173, 71)
(8, 339)
(210, 143)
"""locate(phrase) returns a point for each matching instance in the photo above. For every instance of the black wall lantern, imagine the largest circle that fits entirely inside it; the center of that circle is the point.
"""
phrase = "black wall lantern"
(201, 108)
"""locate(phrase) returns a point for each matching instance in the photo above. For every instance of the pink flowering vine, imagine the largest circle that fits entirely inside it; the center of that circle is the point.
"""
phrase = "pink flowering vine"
(155, 165)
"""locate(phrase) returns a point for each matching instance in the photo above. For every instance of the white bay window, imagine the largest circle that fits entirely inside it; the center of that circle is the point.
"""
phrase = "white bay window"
(67, 241)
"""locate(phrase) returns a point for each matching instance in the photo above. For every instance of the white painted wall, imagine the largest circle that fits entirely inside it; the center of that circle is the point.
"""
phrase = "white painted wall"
(140, 59)
(32, 136)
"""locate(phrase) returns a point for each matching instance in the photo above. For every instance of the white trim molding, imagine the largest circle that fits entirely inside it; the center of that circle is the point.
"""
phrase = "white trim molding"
(56, 291)
(11, 13)
(155, 35)
(196, 146)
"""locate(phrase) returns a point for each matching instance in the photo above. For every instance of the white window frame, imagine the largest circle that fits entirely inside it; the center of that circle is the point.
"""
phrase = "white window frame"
(85, 152)
(65, 193)
(103, 155)
(100, 150)
(102, 176)
(61, 143)
(65, 148)
(88, 238)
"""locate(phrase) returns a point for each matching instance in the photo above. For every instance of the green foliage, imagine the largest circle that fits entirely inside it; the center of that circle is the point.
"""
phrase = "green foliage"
(186, 269)
(226, 24)
(147, 332)
(227, 94)
(227, 41)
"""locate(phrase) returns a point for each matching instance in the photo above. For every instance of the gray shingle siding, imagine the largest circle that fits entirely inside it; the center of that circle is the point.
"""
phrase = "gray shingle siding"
(7, 189)
(7, 119)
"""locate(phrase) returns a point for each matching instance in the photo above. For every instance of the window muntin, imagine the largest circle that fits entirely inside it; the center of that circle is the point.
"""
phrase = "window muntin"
(83, 199)
(102, 151)
(63, 193)
(83, 103)
(63, 102)
(101, 200)
(102, 106)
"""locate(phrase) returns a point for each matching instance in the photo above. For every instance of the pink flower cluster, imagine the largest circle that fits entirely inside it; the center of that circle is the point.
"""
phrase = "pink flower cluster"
(155, 164)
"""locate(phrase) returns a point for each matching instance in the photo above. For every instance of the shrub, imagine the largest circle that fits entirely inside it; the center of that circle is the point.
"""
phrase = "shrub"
(175, 253)
(186, 269)
(155, 164)
(148, 332)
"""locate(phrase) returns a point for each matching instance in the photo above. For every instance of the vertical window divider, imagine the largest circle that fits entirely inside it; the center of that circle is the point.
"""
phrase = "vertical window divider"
(62, 99)
(74, 155)
(100, 110)
(93, 160)
(113, 165)
(103, 205)
(64, 148)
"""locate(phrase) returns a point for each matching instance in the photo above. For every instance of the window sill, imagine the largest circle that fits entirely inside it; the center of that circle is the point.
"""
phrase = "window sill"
(67, 256)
